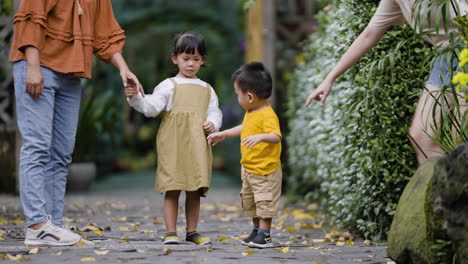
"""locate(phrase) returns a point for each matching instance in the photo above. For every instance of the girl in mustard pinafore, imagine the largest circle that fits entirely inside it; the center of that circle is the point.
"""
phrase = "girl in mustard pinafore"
(184, 156)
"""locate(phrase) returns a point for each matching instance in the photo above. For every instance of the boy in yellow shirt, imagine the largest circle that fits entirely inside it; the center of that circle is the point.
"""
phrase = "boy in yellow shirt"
(260, 148)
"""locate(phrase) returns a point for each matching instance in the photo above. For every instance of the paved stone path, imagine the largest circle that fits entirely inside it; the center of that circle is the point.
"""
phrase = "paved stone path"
(132, 227)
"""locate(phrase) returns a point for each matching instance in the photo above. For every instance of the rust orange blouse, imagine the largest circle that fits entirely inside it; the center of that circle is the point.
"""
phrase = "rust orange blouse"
(67, 33)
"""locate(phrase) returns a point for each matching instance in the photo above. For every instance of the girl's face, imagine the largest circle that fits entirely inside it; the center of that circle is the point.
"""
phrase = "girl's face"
(188, 64)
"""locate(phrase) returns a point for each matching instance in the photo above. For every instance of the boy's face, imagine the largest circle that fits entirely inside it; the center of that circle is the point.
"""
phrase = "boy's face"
(188, 64)
(244, 99)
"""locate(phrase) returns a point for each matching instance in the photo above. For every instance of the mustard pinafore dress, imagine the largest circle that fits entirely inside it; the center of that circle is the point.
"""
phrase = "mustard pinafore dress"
(184, 155)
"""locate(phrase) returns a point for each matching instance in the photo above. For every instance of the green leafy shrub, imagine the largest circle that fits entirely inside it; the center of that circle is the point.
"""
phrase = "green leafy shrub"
(354, 153)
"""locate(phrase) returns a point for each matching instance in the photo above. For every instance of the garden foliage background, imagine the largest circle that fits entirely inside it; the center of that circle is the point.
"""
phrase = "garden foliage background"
(354, 153)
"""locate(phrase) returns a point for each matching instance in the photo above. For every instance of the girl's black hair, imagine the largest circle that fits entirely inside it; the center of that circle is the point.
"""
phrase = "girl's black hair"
(189, 42)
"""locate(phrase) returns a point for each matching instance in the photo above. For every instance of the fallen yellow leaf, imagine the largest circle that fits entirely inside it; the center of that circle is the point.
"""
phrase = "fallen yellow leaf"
(247, 248)
(318, 240)
(290, 229)
(87, 259)
(33, 251)
(123, 242)
(157, 223)
(309, 247)
(359, 260)
(248, 253)
(223, 239)
(124, 237)
(124, 228)
(146, 231)
(80, 243)
(340, 243)
(307, 227)
(101, 252)
(15, 258)
(313, 207)
(1, 238)
(56, 254)
(16, 221)
(283, 250)
(98, 232)
(2, 257)
(89, 228)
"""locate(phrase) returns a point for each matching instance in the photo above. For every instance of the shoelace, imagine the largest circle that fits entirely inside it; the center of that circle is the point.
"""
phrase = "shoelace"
(51, 225)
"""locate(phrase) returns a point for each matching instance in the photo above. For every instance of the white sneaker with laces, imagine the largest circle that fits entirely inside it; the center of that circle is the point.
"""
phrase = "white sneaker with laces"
(51, 235)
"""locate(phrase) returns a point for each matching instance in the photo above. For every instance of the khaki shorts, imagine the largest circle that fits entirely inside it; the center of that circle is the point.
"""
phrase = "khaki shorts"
(260, 194)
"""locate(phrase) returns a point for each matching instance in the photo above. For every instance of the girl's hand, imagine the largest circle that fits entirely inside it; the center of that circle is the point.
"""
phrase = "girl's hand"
(215, 138)
(208, 127)
(34, 81)
(131, 91)
(251, 141)
(130, 80)
(321, 93)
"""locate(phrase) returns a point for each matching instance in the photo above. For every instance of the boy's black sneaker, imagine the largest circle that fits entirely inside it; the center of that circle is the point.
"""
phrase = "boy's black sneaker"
(246, 241)
(261, 240)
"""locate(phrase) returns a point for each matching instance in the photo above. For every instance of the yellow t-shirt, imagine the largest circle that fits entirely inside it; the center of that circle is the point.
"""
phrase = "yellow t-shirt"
(263, 158)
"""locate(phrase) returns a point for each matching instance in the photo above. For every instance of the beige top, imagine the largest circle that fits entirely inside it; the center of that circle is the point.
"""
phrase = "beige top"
(398, 12)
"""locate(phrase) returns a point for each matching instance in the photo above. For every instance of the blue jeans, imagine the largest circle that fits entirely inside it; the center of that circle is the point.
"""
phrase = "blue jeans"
(48, 128)
(440, 74)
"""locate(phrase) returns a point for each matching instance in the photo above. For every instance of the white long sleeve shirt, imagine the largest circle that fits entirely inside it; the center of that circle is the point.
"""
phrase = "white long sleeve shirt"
(161, 99)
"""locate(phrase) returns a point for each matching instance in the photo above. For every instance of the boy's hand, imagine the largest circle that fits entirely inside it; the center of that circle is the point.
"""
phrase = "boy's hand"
(215, 138)
(250, 142)
(131, 91)
(209, 127)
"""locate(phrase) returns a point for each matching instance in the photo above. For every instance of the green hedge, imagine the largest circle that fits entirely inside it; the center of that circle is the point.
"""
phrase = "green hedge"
(354, 153)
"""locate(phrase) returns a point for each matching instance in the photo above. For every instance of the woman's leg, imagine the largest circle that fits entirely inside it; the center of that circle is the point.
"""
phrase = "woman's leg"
(67, 106)
(421, 128)
(35, 118)
(171, 209)
(192, 210)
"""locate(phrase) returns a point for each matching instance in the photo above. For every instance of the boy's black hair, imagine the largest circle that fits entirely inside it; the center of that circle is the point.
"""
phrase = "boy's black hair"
(189, 42)
(254, 77)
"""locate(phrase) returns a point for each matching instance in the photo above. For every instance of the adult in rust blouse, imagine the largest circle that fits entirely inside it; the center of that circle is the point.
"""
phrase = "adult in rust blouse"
(53, 44)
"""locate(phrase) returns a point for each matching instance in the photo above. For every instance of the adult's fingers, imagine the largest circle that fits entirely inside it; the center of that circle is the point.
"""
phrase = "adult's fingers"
(29, 89)
(134, 80)
(39, 88)
(323, 99)
(311, 97)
